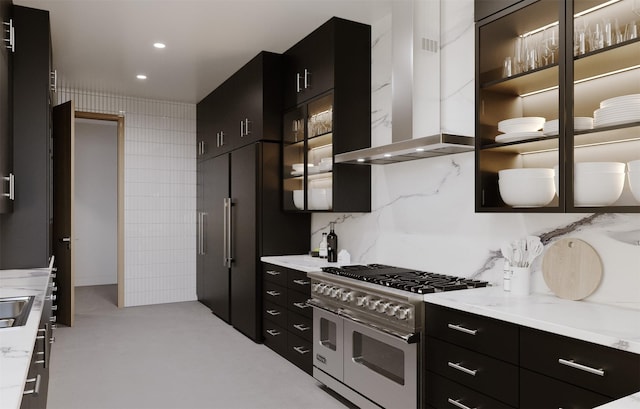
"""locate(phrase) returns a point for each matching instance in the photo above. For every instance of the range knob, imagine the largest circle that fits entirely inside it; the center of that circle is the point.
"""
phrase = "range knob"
(315, 287)
(391, 311)
(404, 313)
(348, 296)
(362, 301)
(382, 307)
(336, 292)
(327, 290)
(373, 304)
(319, 288)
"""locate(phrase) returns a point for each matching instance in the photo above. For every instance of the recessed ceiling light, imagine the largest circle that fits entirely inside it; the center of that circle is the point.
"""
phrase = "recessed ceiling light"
(141, 77)
(360, 160)
(387, 155)
(159, 45)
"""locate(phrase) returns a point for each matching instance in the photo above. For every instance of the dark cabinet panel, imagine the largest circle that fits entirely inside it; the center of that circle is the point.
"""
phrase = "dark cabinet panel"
(485, 8)
(299, 351)
(441, 392)
(6, 154)
(275, 313)
(275, 337)
(26, 232)
(300, 325)
(556, 394)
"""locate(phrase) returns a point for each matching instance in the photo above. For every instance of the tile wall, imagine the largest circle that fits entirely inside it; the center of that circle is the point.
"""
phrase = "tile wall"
(160, 194)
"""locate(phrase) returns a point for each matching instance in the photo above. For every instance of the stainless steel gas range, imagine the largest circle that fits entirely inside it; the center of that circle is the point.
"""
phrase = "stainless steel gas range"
(367, 331)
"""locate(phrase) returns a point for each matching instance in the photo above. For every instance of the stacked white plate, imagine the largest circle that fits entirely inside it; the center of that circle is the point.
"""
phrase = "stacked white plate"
(616, 111)
(519, 129)
(580, 123)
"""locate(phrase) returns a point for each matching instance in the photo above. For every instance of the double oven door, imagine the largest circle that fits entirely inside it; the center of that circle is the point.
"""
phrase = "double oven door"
(381, 367)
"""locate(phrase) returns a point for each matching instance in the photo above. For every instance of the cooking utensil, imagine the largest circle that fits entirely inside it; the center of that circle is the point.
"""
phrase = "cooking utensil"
(572, 269)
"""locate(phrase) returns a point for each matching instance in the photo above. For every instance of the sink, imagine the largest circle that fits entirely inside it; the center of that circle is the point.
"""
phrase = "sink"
(14, 311)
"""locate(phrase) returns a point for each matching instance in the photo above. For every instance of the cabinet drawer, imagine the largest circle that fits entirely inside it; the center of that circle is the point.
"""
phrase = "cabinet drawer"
(614, 373)
(298, 281)
(275, 337)
(557, 394)
(441, 392)
(275, 293)
(275, 313)
(299, 352)
(300, 325)
(274, 274)
(493, 377)
(488, 336)
(297, 302)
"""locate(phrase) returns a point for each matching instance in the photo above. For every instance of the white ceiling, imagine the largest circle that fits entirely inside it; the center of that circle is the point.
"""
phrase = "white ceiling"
(102, 44)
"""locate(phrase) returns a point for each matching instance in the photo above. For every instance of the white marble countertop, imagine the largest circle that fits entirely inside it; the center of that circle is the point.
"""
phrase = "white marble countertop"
(16, 343)
(616, 326)
(300, 262)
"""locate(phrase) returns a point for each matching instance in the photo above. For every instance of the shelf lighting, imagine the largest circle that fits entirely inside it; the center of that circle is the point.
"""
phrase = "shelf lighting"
(606, 74)
(582, 13)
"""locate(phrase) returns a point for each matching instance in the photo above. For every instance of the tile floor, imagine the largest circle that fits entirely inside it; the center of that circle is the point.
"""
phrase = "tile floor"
(173, 356)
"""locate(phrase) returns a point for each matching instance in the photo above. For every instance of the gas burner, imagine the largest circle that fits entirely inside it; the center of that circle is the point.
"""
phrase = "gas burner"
(419, 282)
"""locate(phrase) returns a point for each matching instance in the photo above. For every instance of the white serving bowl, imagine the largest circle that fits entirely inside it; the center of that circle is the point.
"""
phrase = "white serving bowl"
(597, 184)
(524, 124)
(634, 165)
(525, 173)
(527, 192)
(298, 167)
(319, 199)
(634, 183)
(321, 183)
(298, 199)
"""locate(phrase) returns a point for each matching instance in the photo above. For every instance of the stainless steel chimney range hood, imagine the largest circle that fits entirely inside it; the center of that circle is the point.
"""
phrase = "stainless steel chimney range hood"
(405, 145)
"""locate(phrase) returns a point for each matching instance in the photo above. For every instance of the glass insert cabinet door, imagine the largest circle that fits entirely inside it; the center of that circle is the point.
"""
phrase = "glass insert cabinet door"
(308, 156)
(518, 110)
(605, 122)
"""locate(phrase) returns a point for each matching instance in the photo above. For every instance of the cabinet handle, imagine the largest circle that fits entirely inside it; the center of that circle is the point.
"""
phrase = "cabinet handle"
(573, 364)
(247, 131)
(54, 80)
(298, 89)
(274, 313)
(36, 389)
(301, 305)
(307, 78)
(461, 368)
(218, 140)
(221, 138)
(273, 273)
(242, 128)
(462, 329)
(273, 332)
(12, 186)
(301, 350)
(301, 282)
(11, 41)
(273, 293)
(458, 404)
(54, 308)
(301, 327)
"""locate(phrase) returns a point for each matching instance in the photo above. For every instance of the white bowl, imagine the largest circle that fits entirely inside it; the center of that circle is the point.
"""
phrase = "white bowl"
(634, 165)
(634, 183)
(524, 124)
(321, 183)
(527, 192)
(525, 173)
(298, 199)
(597, 184)
(319, 199)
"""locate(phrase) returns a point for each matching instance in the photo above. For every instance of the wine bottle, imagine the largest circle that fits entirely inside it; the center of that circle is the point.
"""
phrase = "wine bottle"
(332, 245)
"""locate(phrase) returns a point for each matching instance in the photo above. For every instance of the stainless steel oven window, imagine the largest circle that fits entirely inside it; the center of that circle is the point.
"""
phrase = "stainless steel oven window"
(328, 334)
(379, 357)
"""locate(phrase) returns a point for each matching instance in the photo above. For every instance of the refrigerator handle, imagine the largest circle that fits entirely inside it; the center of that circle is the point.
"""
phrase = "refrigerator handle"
(228, 231)
(203, 236)
(225, 227)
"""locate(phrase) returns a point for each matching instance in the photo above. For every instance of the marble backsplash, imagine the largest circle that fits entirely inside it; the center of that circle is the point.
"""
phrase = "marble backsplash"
(423, 211)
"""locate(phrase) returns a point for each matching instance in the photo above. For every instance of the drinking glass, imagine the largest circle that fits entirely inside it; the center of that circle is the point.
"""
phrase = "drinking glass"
(631, 31)
(552, 41)
(581, 36)
(519, 56)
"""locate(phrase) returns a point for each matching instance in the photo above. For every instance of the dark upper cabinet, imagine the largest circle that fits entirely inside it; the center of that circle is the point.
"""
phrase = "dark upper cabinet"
(574, 64)
(246, 108)
(25, 235)
(485, 8)
(6, 165)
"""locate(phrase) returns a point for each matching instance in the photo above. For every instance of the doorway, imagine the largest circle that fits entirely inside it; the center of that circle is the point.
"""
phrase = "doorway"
(98, 202)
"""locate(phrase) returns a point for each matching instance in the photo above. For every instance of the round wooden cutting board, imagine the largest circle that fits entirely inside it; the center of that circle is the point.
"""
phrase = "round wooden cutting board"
(572, 269)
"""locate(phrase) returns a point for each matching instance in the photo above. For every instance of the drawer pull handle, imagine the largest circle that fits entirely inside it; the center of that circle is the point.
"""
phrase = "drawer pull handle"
(301, 282)
(457, 403)
(301, 305)
(572, 364)
(463, 329)
(273, 293)
(301, 350)
(301, 327)
(273, 273)
(461, 368)
(273, 332)
(273, 312)
(36, 390)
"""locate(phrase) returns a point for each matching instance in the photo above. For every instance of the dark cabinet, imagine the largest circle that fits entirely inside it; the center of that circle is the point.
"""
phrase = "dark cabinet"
(288, 327)
(240, 220)
(25, 234)
(485, 8)
(328, 112)
(7, 181)
(571, 64)
(482, 362)
(246, 108)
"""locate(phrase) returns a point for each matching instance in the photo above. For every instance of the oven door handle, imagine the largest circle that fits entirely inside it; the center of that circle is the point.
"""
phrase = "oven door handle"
(408, 338)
